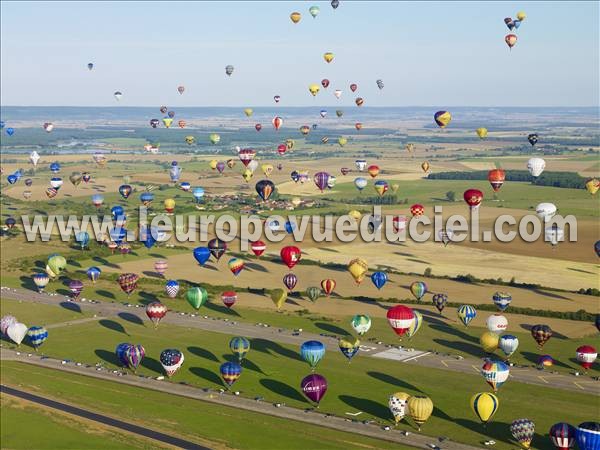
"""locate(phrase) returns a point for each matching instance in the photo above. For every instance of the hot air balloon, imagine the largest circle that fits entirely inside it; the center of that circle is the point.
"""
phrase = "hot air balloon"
(171, 360)
(328, 285)
(55, 265)
(358, 267)
(196, 297)
(523, 431)
(497, 323)
(417, 210)
(265, 188)
(473, 198)
(398, 404)
(360, 183)
(466, 313)
(592, 185)
(361, 324)
(495, 373)
(229, 298)
(278, 297)
(277, 98)
(41, 280)
(420, 408)
(536, 166)
(217, 248)
(328, 57)
(338, 94)
(400, 318)
(17, 332)
(6, 322)
(482, 132)
(312, 352)
(277, 122)
(484, 405)
(511, 40)
(379, 279)
(359, 101)
(442, 118)
(93, 273)
(545, 211)
(258, 247)
(235, 265)
(489, 341)
(496, 178)
(37, 336)
(439, 301)
(229, 70)
(349, 347)
(586, 355)
(230, 372)
(418, 289)
(295, 17)
(588, 435)
(128, 282)
(239, 346)
(90, 66)
(118, 95)
(532, 138)
(290, 280)
(380, 84)
(313, 293)
(314, 387)
(321, 179)
(133, 356)
(508, 344)
(502, 300)
(155, 312)
(169, 204)
(541, 334)
(562, 435)
(353, 87)
(172, 288)
(82, 238)
(75, 288)
(125, 191)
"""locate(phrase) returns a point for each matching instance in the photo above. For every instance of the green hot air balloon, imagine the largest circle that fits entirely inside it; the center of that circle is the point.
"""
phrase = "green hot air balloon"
(55, 265)
(313, 293)
(196, 296)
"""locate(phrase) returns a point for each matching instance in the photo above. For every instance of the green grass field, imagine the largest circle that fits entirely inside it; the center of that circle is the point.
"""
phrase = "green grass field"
(274, 371)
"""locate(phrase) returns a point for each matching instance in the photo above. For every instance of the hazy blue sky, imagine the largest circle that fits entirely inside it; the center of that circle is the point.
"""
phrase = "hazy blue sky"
(427, 53)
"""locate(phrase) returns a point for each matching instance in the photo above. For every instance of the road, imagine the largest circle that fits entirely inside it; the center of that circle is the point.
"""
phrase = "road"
(100, 418)
(313, 417)
(439, 361)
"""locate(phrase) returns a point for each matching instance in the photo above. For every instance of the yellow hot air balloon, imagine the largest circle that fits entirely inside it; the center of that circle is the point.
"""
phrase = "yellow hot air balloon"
(167, 121)
(358, 268)
(342, 141)
(213, 164)
(295, 17)
(328, 57)
(248, 112)
(521, 16)
(425, 166)
(267, 169)
(395, 187)
(489, 341)
(314, 89)
(356, 215)
(169, 205)
(214, 138)
(484, 405)
(592, 185)
(420, 408)
(481, 132)
(442, 118)
(278, 296)
(247, 175)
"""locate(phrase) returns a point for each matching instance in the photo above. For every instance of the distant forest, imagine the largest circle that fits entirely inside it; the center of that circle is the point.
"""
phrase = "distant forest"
(555, 179)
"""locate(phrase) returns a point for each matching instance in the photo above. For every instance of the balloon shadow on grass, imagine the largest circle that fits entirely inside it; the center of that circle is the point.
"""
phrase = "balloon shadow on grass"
(151, 274)
(444, 328)
(147, 297)
(73, 262)
(106, 294)
(71, 306)
(465, 347)
(246, 363)
(221, 308)
(152, 364)
(27, 283)
(255, 267)
(277, 387)
(392, 380)
(207, 375)
(270, 347)
(203, 353)
(330, 328)
(132, 318)
(534, 358)
(368, 406)
(105, 262)
(112, 325)
(109, 357)
(64, 292)
(156, 255)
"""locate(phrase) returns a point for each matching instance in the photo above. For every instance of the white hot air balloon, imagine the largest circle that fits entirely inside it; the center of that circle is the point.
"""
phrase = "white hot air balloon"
(34, 157)
(17, 332)
(536, 166)
(545, 211)
(554, 235)
(337, 93)
(497, 323)
(253, 165)
(118, 95)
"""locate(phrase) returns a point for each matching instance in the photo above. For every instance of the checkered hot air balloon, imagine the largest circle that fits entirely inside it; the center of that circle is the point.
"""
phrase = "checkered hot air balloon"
(523, 431)
(128, 282)
(172, 288)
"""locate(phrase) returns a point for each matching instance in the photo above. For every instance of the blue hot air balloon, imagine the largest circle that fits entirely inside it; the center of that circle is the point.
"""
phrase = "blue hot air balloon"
(312, 352)
(466, 313)
(12, 178)
(118, 234)
(120, 351)
(230, 372)
(202, 254)
(37, 336)
(55, 167)
(502, 300)
(379, 279)
(117, 211)
(198, 194)
(10, 131)
(290, 227)
(82, 238)
(588, 436)
(175, 173)
(2, 124)
(93, 273)
(146, 198)
(147, 236)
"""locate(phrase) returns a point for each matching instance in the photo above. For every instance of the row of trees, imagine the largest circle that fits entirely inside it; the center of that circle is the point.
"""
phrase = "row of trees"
(570, 180)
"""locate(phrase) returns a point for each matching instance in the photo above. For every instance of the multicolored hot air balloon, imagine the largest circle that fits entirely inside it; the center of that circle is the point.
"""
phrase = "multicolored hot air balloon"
(439, 301)
(496, 178)
(473, 198)
(235, 265)
(398, 404)
(586, 355)
(466, 313)
(229, 298)
(442, 118)
(133, 356)
(328, 285)
(41, 281)
(349, 347)
(93, 273)
(361, 324)
(37, 336)
(418, 289)
(312, 352)
(523, 431)
(171, 360)
(495, 373)
(128, 282)
(541, 334)
(155, 312)
(265, 189)
(239, 346)
(230, 372)
(562, 435)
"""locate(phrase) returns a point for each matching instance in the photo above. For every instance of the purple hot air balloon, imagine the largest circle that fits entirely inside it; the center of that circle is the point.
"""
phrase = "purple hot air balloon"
(75, 286)
(321, 180)
(220, 166)
(290, 280)
(314, 387)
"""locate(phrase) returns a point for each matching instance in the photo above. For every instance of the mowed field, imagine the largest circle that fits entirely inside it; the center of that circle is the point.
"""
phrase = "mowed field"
(273, 371)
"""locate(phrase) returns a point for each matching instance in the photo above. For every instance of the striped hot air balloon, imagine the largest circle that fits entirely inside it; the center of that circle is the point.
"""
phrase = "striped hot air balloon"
(466, 313)
(484, 405)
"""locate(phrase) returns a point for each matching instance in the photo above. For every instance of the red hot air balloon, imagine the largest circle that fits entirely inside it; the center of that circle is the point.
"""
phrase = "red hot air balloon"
(496, 178)
(358, 126)
(314, 386)
(373, 170)
(325, 83)
(473, 197)
(345, 170)
(258, 248)
(353, 87)
(281, 149)
(511, 40)
(400, 318)
(417, 210)
(290, 255)
(128, 282)
(246, 155)
(321, 179)
(228, 298)
(586, 355)
(290, 280)
(328, 285)
(277, 122)
(155, 312)
(258, 127)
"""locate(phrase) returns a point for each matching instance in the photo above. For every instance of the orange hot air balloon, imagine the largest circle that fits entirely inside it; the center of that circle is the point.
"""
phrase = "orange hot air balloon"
(417, 210)
(511, 40)
(295, 17)
(328, 285)
(373, 170)
(277, 122)
(358, 126)
(496, 178)
(425, 166)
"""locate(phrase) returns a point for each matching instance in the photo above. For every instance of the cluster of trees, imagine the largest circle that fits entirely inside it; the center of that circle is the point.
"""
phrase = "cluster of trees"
(570, 180)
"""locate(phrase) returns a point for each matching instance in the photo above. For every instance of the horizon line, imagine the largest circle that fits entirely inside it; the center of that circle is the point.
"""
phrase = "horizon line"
(302, 106)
